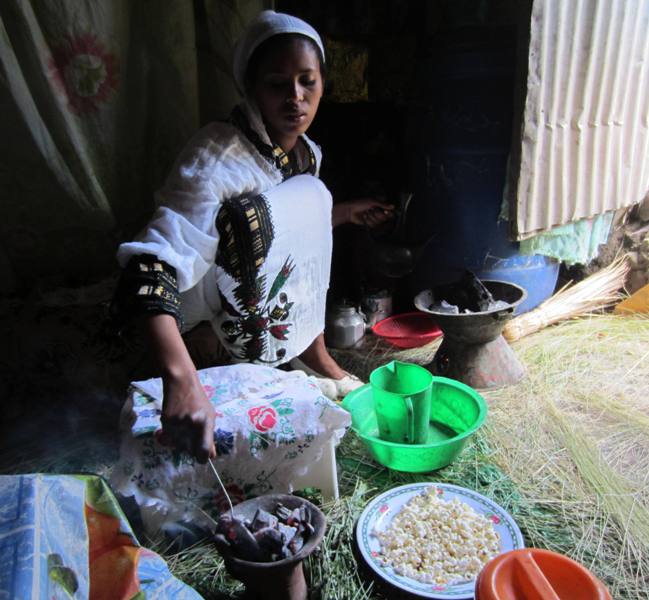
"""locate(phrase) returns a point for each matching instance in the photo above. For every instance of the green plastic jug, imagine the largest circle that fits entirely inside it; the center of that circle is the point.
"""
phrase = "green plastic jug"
(402, 394)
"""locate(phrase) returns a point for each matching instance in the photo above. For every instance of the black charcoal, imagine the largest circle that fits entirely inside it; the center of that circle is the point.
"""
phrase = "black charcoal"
(268, 537)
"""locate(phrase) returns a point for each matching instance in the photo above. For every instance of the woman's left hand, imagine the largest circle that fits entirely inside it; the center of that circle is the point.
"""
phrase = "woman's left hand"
(362, 211)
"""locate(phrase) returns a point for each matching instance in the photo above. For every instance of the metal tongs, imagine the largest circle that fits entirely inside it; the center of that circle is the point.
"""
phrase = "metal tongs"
(216, 473)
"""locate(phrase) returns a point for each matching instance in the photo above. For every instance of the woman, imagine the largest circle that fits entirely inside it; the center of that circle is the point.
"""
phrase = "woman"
(242, 234)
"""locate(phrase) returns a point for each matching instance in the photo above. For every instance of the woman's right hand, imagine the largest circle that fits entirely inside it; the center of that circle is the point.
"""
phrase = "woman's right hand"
(188, 416)
(369, 212)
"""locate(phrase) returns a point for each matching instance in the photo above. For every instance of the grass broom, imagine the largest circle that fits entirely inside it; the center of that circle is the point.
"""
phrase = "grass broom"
(600, 290)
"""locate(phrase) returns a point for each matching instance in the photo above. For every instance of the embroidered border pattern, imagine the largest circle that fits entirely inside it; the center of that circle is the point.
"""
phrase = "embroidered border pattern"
(147, 286)
(247, 233)
(273, 153)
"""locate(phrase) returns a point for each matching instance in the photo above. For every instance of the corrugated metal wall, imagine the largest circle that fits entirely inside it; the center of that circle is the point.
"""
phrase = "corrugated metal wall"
(585, 133)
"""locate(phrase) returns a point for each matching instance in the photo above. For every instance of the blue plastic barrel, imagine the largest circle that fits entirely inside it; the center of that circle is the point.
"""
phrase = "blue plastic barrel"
(462, 150)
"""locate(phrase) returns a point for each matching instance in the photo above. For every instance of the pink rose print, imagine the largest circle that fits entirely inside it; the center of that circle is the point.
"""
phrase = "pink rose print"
(384, 508)
(236, 494)
(84, 71)
(439, 588)
(495, 519)
(263, 418)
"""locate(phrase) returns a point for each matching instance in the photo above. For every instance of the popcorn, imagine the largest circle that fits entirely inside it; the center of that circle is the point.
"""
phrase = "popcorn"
(437, 541)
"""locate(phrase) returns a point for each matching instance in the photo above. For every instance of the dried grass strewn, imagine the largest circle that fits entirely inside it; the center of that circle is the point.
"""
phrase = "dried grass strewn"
(565, 451)
(575, 433)
(596, 292)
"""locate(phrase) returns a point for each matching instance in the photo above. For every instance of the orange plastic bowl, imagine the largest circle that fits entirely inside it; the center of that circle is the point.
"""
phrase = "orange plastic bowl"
(539, 574)
(408, 330)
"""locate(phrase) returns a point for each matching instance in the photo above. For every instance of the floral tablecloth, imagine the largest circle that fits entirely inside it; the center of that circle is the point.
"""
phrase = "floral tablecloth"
(271, 427)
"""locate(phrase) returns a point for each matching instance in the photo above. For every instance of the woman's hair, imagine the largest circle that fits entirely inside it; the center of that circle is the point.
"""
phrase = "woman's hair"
(269, 45)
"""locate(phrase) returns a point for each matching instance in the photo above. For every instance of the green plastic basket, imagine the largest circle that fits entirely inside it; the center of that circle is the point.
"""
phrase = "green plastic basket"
(457, 411)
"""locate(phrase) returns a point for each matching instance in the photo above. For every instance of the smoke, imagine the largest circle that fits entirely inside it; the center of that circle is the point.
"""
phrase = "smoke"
(63, 380)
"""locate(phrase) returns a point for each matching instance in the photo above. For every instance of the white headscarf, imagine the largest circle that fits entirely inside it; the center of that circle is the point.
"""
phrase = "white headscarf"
(266, 25)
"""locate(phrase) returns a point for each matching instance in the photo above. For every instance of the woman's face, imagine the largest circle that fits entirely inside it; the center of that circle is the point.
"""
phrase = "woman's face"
(287, 89)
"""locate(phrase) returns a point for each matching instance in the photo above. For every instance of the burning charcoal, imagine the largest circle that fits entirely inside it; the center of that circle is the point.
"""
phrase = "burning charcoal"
(242, 541)
(478, 293)
(268, 536)
(468, 293)
(262, 520)
(270, 542)
(294, 518)
(245, 544)
(287, 531)
(282, 512)
(295, 545)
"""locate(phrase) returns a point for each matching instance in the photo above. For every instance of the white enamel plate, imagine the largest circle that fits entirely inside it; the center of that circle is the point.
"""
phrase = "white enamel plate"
(380, 511)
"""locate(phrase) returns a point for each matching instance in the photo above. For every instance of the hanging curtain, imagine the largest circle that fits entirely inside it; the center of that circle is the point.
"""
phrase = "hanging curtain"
(224, 21)
(97, 97)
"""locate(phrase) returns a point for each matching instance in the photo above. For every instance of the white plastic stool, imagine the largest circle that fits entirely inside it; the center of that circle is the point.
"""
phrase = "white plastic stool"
(323, 474)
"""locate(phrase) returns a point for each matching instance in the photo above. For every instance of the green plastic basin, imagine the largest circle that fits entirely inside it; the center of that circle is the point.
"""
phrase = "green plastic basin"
(456, 412)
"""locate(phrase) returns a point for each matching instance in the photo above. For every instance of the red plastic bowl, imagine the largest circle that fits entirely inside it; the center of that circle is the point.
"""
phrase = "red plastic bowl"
(408, 330)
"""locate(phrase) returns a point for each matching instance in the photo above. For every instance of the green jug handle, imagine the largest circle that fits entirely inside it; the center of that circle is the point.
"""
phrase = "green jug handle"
(411, 419)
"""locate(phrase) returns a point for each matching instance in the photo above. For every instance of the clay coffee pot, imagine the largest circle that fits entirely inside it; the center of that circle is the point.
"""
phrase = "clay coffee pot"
(392, 255)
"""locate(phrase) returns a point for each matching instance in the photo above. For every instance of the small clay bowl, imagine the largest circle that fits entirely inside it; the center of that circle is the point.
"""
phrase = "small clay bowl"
(280, 579)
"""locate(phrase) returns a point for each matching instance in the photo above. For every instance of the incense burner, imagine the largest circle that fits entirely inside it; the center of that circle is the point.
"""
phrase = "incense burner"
(281, 579)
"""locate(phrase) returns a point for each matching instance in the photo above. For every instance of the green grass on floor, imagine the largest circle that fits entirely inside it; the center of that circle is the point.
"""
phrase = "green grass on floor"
(335, 572)
(565, 452)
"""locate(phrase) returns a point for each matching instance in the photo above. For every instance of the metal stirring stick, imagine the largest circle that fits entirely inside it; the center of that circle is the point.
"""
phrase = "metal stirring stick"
(209, 460)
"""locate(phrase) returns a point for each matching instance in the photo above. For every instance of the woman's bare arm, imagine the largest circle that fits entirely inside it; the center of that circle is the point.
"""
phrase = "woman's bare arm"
(187, 414)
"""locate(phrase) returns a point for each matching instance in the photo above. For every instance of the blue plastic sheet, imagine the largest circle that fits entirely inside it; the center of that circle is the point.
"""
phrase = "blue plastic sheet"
(64, 536)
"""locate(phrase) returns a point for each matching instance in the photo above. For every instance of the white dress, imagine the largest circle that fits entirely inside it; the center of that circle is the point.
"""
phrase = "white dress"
(251, 251)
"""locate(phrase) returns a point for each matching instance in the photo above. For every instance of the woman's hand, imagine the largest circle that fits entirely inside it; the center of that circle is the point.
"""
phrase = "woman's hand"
(187, 414)
(362, 211)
